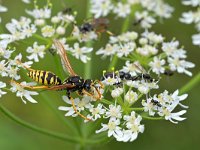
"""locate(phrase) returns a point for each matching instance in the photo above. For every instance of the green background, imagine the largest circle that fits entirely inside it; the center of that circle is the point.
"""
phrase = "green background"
(158, 134)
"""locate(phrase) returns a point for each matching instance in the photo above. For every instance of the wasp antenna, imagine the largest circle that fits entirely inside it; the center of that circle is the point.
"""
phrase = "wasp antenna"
(113, 68)
(24, 66)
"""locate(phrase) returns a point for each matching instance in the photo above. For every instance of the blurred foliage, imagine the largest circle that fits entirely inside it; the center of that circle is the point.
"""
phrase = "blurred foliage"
(158, 135)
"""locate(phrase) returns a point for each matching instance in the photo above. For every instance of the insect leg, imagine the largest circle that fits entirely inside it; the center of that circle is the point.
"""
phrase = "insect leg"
(74, 107)
(36, 87)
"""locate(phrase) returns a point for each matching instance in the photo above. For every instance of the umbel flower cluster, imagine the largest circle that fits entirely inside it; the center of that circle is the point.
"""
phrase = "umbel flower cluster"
(192, 17)
(125, 94)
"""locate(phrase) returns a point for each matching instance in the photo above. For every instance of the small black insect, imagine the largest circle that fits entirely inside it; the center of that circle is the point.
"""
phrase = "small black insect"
(168, 73)
(67, 10)
(155, 102)
(86, 27)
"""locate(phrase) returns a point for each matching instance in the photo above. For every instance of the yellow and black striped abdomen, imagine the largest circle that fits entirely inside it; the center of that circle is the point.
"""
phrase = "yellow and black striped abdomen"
(44, 77)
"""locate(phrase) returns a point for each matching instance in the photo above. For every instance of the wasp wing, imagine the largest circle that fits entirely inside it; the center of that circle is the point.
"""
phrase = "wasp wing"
(61, 87)
(64, 58)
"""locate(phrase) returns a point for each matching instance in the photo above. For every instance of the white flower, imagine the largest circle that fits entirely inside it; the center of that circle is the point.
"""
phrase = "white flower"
(60, 30)
(149, 106)
(3, 9)
(112, 127)
(133, 128)
(39, 22)
(187, 17)
(3, 69)
(2, 85)
(122, 10)
(147, 50)
(111, 80)
(79, 104)
(36, 51)
(131, 68)
(157, 65)
(196, 39)
(55, 19)
(48, 31)
(180, 65)
(12, 72)
(42, 13)
(160, 8)
(5, 53)
(191, 2)
(172, 116)
(153, 38)
(19, 30)
(117, 92)
(109, 50)
(126, 49)
(15, 62)
(114, 112)
(96, 112)
(26, 1)
(84, 37)
(101, 7)
(170, 47)
(131, 97)
(144, 19)
(144, 87)
(22, 93)
(124, 37)
(68, 18)
(79, 52)
(130, 118)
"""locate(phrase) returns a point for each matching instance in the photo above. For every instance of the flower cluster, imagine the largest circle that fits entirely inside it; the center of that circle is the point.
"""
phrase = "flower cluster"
(101, 8)
(168, 57)
(147, 57)
(192, 17)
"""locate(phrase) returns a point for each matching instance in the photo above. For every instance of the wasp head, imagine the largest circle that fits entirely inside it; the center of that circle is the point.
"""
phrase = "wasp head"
(87, 85)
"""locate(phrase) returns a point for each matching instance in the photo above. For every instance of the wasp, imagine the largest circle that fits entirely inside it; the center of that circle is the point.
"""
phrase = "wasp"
(73, 83)
(98, 25)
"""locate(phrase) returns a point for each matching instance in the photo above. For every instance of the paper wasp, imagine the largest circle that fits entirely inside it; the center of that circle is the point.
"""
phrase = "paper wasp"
(73, 83)
(98, 25)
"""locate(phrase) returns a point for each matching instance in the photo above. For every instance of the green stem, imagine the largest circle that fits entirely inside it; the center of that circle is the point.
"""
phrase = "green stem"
(152, 118)
(106, 102)
(136, 109)
(37, 36)
(38, 129)
(123, 29)
(191, 84)
(66, 138)
(88, 65)
(71, 38)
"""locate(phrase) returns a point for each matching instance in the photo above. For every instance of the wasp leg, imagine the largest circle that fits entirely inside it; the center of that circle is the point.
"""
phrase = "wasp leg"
(98, 98)
(91, 95)
(74, 107)
(101, 84)
(35, 87)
